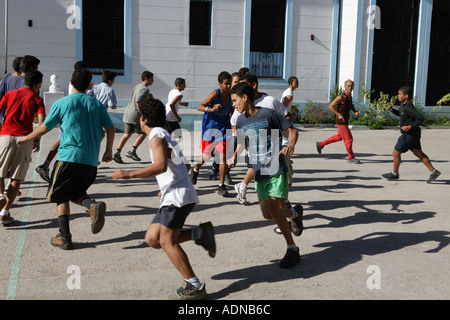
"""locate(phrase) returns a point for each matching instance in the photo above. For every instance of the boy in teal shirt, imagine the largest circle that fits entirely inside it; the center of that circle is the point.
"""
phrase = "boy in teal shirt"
(81, 118)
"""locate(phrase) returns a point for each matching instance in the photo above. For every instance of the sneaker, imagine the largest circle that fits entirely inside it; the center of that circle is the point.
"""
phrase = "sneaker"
(6, 219)
(44, 173)
(290, 259)
(319, 147)
(222, 190)
(193, 176)
(434, 176)
(391, 176)
(297, 223)
(2, 201)
(288, 204)
(277, 230)
(64, 243)
(207, 240)
(354, 161)
(191, 293)
(213, 175)
(97, 213)
(228, 180)
(241, 195)
(133, 155)
(117, 158)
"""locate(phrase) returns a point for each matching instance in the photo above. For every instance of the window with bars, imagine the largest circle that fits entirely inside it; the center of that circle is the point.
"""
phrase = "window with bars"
(104, 35)
(200, 22)
(268, 24)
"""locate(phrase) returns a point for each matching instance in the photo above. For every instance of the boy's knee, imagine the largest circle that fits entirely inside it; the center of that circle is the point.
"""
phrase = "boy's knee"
(152, 241)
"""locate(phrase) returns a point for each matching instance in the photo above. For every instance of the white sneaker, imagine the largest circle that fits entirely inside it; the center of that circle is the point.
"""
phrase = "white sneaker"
(241, 194)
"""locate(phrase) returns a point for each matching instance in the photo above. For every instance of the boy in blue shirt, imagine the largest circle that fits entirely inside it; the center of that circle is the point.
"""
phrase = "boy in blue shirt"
(81, 118)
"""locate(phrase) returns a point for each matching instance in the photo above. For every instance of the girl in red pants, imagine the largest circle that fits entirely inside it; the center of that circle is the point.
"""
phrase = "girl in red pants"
(341, 107)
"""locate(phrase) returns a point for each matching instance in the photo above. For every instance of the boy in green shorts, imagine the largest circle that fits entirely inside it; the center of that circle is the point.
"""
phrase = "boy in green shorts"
(263, 128)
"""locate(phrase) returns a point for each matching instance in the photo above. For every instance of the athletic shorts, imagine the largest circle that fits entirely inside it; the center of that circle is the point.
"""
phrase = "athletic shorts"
(173, 217)
(276, 187)
(408, 142)
(14, 159)
(69, 181)
(208, 147)
(289, 163)
(172, 127)
(132, 128)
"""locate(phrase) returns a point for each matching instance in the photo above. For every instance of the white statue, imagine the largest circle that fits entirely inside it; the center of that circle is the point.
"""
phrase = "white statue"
(54, 87)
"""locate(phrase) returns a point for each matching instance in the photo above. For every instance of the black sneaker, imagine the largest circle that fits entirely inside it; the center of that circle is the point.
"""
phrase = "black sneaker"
(277, 229)
(297, 223)
(207, 240)
(64, 243)
(228, 180)
(117, 158)
(391, 176)
(290, 259)
(133, 155)
(44, 173)
(319, 147)
(193, 176)
(213, 175)
(191, 293)
(222, 190)
(434, 176)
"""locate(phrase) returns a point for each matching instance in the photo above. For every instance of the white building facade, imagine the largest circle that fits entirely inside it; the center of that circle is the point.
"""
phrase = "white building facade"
(322, 42)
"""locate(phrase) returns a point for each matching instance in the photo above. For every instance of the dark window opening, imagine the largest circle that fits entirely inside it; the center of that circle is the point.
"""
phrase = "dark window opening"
(395, 45)
(268, 23)
(439, 62)
(200, 22)
(103, 35)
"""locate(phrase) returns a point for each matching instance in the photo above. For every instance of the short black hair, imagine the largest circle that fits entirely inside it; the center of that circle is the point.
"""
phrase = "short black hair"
(80, 65)
(291, 79)
(29, 63)
(16, 64)
(146, 75)
(81, 79)
(407, 90)
(154, 112)
(224, 75)
(33, 77)
(250, 78)
(244, 88)
(244, 70)
(108, 75)
(179, 81)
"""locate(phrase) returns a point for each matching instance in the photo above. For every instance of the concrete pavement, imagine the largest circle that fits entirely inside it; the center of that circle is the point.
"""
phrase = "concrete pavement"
(364, 237)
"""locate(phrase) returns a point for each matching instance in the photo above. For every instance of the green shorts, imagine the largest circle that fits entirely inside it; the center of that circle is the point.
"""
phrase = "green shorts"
(276, 187)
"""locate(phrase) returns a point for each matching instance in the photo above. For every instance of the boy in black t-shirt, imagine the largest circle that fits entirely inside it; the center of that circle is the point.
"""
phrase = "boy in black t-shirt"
(410, 119)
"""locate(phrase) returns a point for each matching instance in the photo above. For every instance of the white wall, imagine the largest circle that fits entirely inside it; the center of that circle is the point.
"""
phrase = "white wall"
(160, 37)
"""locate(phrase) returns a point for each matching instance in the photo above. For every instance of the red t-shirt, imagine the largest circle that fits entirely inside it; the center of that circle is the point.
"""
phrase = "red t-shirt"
(21, 105)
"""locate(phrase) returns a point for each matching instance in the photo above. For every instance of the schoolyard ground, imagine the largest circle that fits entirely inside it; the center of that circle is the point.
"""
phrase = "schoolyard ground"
(364, 237)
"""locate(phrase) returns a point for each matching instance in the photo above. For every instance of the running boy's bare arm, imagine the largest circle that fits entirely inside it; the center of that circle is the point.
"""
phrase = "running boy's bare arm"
(160, 153)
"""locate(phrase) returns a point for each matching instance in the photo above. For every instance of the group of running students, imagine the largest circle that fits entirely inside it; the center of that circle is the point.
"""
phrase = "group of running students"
(236, 117)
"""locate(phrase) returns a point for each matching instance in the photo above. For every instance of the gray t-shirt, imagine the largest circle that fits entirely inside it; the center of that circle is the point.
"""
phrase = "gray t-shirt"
(132, 113)
(263, 132)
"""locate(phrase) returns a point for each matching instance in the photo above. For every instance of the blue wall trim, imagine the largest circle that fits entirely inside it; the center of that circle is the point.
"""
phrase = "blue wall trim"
(423, 50)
